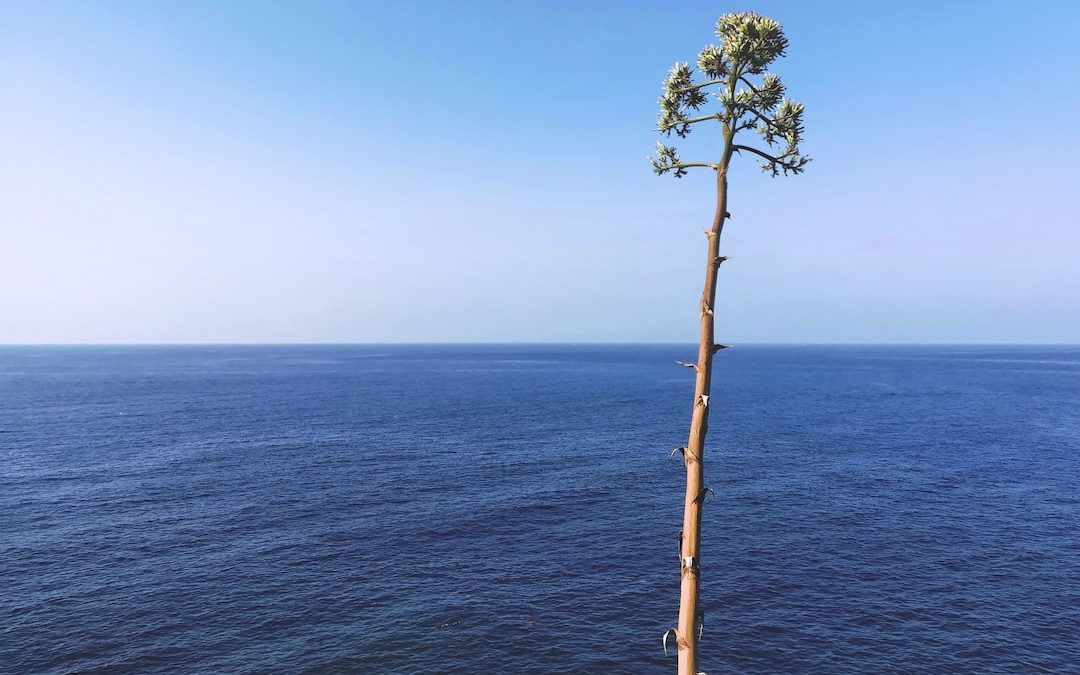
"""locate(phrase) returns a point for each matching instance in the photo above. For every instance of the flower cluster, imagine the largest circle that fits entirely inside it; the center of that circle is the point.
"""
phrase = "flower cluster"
(680, 97)
(712, 62)
(786, 126)
(667, 159)
(752, 40)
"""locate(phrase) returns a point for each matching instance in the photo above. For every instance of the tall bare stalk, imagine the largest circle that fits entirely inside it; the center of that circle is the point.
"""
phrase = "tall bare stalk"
(749, 98)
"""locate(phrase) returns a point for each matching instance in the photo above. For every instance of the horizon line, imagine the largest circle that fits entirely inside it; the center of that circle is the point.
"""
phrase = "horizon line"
(584, 343)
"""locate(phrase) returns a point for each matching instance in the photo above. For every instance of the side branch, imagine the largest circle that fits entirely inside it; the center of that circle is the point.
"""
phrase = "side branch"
(750, 109)
(695, 120)
(789, 162)
(764, 155)
(750, 85)
(770, 122)
(680, 124)
(702, 85)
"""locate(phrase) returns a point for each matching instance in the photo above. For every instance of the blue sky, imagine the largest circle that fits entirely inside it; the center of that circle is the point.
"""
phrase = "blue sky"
(445, 172)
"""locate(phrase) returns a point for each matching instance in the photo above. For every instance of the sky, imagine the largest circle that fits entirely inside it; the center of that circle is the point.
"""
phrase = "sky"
(371, 172)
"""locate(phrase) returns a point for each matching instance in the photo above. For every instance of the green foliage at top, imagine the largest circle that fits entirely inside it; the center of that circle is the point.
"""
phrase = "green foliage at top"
(749, 97)
(751, 39)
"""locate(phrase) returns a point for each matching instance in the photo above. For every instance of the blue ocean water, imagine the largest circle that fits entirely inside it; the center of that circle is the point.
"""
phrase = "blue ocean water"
(512, 509)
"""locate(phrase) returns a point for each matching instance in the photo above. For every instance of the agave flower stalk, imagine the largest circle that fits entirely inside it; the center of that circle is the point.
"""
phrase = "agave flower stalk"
(746, 99)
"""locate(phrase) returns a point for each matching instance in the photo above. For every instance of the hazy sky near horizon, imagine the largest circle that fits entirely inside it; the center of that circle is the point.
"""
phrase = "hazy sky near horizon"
(476, 171)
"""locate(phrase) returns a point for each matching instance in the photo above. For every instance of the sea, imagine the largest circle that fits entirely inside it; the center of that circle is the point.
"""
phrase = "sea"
(515, 509)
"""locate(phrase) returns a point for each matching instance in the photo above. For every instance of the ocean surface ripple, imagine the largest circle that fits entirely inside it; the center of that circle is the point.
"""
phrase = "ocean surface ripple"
(513, 509)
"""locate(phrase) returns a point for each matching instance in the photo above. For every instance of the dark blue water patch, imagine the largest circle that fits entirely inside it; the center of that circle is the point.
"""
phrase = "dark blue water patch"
(414, 509)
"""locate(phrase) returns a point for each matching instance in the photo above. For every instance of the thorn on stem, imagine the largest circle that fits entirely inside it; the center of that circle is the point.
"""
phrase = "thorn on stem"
(682, 450)
(719, 259)
(684, 364)
(704, 400)
(669, 631)
(718, 347)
